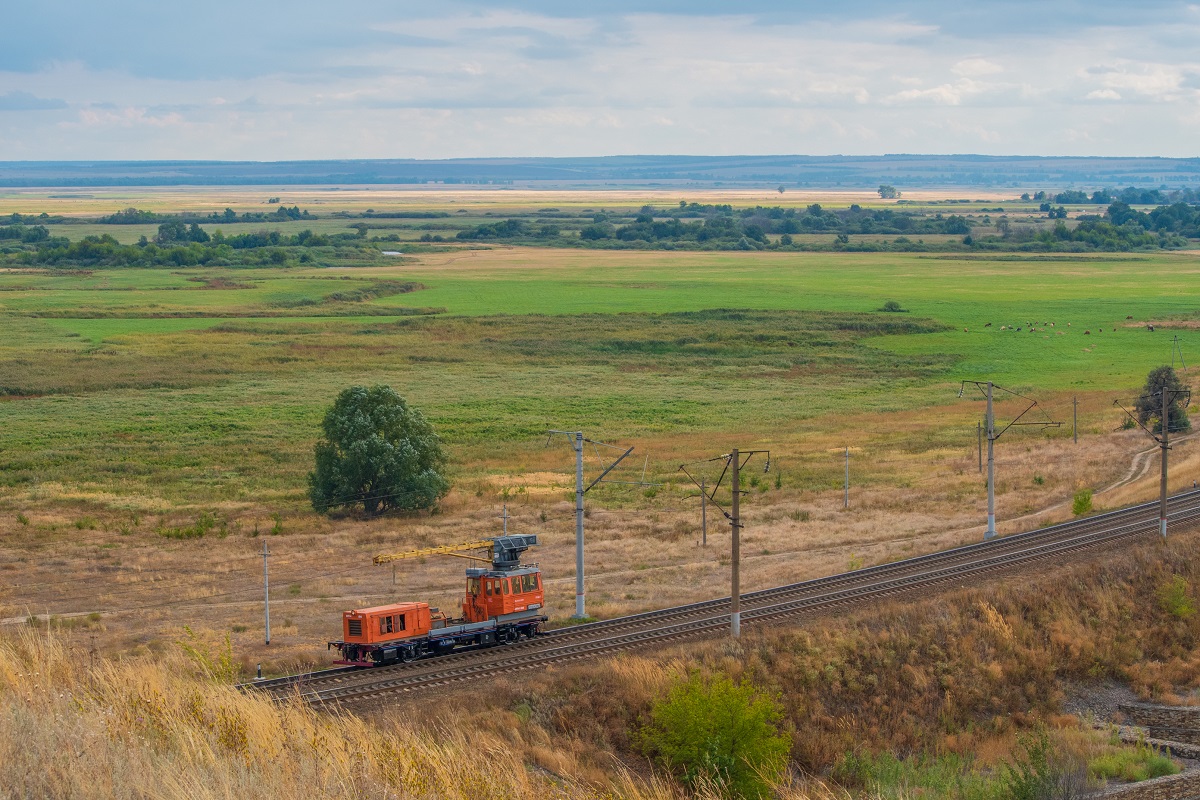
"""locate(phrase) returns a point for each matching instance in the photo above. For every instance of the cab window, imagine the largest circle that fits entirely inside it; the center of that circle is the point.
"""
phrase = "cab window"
(400, 622)
(385, 624)
(504, 585)
(488, 586)
(472, 585)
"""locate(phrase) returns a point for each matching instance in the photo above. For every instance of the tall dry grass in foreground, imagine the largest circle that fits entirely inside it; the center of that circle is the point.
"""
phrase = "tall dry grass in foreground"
(117, 730)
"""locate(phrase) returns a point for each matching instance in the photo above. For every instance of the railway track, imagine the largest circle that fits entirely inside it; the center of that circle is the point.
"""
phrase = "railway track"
(352, 686)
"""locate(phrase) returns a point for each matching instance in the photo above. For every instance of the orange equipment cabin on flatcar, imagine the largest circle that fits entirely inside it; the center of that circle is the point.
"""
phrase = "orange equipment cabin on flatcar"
(386, 623)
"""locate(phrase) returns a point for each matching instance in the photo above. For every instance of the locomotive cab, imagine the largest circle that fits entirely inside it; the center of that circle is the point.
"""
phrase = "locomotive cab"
(497, 593)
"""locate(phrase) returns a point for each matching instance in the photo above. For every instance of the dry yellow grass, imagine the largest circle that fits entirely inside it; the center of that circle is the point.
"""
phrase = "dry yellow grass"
(138, 729)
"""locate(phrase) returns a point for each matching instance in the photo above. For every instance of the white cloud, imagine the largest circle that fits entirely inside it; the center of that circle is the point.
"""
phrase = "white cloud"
(975, 67)
(480, 81)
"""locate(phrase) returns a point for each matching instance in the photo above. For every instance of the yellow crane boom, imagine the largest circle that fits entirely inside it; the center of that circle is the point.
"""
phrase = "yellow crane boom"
(455, 550)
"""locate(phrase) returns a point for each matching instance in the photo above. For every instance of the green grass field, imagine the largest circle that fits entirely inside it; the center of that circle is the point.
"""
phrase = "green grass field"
(148, 386)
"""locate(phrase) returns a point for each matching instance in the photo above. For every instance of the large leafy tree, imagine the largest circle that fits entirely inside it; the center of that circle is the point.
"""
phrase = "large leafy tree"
(1149, 405)
(378, 451)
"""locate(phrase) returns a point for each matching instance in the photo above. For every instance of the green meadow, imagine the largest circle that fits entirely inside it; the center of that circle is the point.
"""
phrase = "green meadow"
(159, 388)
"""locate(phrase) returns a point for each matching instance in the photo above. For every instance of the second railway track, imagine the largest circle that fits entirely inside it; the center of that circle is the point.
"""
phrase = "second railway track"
(708, 617)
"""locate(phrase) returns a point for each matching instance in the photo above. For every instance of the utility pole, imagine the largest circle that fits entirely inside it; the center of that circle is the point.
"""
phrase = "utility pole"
(1075, 417)
(703, 516)
(991, 478)
(266, 592)
(988, 388)
(577, 443)
(577, 439)
(733, 464)
(846, 498)
(735, 524)
(1162, 486)
(504, 516)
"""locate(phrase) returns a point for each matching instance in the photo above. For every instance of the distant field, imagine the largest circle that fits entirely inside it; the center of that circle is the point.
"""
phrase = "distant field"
(138, 401)
(536, 338)
(320, 200)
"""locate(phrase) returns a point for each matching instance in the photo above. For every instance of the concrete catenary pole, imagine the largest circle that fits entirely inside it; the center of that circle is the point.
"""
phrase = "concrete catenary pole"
(991, 476)
(580, 610)
(1162, 486)
(735, 619)
(703, 515)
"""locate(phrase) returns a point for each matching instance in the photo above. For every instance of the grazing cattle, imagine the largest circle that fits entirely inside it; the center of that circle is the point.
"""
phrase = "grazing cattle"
(988, 325)
(1087, 333)
(1150, 328)
(1130, 316)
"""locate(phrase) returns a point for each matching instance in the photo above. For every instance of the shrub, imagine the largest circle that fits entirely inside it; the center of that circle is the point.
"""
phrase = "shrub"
(1132, 764)
(892, 306)
(1082, 503)
(1174, 598)
(713, 731)
(1031, 777)
(206, 523)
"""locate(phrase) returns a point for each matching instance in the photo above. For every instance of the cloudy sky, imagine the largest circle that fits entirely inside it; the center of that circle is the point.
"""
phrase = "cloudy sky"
(296, 79)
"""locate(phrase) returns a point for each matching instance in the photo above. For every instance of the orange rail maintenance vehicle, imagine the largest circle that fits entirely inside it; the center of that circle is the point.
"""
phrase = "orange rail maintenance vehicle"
(501, 605)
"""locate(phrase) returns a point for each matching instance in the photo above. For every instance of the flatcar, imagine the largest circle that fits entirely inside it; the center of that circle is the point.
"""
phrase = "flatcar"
(500, 605)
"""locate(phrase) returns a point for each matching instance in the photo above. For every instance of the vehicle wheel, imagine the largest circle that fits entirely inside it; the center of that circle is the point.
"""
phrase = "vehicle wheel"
(406, 656)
